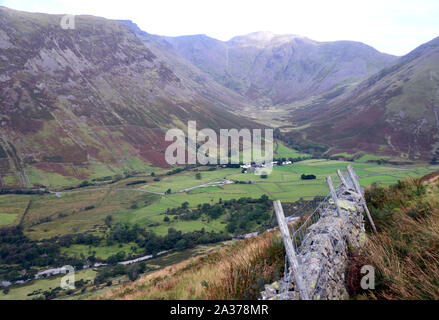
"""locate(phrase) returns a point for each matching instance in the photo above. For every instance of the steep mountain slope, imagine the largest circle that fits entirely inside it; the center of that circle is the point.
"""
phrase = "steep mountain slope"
(103, 92)
(277, 69)
(395, 111)
(97, 100)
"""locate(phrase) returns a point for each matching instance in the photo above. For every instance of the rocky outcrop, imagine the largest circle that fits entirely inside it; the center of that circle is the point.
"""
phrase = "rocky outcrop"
(323, 255)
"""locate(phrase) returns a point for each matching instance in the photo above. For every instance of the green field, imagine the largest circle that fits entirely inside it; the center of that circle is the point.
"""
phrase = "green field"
(79, 211)
(69, 214)
(6, 219)
(24, 292)
(361, 156)
(101, 252)
(282, 151)
(65, 175)
(284, 183)
(12, 208)
(37, 176)
(187, 179)
(85, 210)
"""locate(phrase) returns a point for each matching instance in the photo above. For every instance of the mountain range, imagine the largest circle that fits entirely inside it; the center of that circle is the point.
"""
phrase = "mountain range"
(106, 92)
(271, 69)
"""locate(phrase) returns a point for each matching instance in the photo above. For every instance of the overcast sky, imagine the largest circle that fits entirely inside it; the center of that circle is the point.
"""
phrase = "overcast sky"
(391, 26)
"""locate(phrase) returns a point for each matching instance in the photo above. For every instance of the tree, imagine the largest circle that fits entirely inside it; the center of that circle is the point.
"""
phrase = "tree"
(264, 198)
(84, 183)
(168, 191)
(181, 244)
(142, 267)
(433, 161)
(116, 257)
(92, 259)
(133, 272)
(198, 176)
(152, 174)
(166, 219)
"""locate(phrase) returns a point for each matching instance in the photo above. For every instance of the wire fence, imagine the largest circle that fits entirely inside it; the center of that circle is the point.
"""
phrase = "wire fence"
(299, 234)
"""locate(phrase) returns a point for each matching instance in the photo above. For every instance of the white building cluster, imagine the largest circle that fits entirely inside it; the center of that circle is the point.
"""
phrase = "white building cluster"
(253, 167)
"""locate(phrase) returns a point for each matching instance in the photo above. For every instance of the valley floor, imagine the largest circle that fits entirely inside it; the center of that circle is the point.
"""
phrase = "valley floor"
(148, 202)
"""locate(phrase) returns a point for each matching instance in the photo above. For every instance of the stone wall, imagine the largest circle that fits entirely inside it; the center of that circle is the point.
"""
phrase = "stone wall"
(323, 255)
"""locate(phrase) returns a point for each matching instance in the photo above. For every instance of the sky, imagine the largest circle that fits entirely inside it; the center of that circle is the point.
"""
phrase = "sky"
(391, 26)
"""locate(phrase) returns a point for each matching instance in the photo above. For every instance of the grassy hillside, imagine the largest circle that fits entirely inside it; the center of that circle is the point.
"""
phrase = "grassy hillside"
(404, 255)
(237, 271)
(405, 251)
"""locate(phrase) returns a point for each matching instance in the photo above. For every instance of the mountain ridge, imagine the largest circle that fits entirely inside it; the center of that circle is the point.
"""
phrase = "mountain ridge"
(105, 92)
(395, 111)
(271, 69)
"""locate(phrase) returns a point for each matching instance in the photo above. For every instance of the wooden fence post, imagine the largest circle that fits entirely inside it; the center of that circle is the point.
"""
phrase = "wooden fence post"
(291, 252)
(342, 179)
(333, 195)
(363, 200)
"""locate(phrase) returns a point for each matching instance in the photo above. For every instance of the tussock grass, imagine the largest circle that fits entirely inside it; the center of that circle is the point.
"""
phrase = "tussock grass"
(405, 253)
(236, 271)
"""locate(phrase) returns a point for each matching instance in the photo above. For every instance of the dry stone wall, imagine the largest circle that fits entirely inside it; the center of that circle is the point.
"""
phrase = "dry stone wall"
(323, 255)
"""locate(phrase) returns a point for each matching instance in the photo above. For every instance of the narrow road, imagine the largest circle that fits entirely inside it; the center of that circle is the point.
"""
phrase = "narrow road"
(206, 185)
